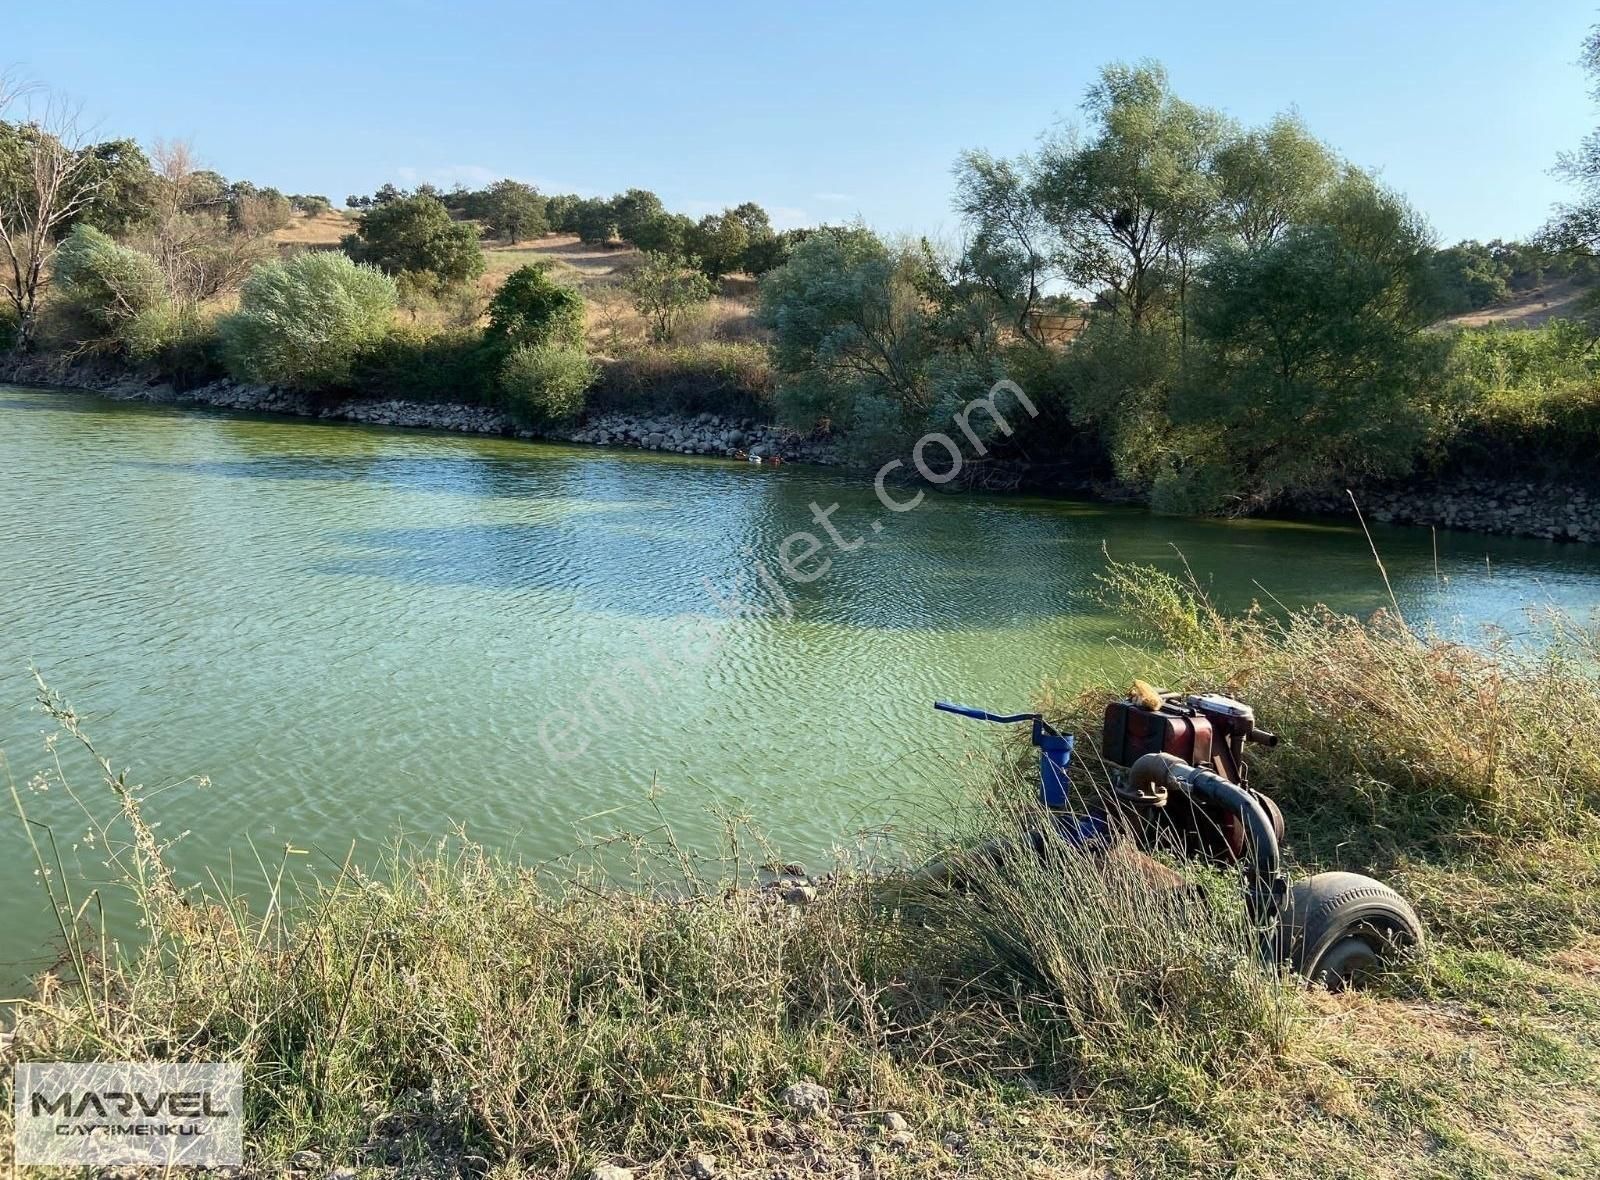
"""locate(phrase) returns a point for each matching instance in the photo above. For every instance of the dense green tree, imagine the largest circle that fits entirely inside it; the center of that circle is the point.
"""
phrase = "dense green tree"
(416, 236)
(1271, 178)
(594, 221)
(1314, 361)
(763, 248)
(1468, 276)
(558, 211)
(532, 310)
(666, 288)
(719, 241)
(771, 252)
(513, 211)
(634, 211)
(122, 179)
(665, 233)
(1134, 202)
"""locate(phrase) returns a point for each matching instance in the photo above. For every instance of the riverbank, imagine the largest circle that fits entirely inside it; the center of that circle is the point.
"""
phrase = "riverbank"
(450, 1013)
(696, 434)
(1506, 506)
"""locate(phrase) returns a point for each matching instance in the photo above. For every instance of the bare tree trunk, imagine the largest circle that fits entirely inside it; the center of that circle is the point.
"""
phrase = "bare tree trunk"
(56, 182)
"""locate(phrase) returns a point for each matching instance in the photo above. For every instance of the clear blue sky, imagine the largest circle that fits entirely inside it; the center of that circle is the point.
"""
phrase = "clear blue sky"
(820, 112)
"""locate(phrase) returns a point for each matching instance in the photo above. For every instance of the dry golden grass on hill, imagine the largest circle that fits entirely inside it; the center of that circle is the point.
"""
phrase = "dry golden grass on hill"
(597, 272)
(1529, 310)
(321, 231)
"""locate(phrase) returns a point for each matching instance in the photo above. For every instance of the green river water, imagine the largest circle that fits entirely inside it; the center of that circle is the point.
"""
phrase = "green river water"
(357, 633)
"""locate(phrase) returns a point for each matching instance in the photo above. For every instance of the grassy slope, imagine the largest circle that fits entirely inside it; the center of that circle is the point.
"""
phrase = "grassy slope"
(1562, 300)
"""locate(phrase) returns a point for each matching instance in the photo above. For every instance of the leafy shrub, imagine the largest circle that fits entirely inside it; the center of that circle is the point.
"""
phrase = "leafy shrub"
(181, 344)
(714, 377)
(1532, 401)
(543, 385)
(533, 311)
(664, 290)
(304, 321)
(113, 295)
(413, 363)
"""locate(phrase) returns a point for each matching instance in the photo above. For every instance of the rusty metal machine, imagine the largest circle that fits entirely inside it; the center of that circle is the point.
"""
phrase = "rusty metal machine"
(1180, 783)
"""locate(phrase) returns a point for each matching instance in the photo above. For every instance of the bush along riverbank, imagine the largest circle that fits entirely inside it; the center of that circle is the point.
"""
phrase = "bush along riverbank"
(450, 1013)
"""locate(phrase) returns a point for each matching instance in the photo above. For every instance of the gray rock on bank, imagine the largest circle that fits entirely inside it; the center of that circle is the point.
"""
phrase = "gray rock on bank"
(702, 434)
(1521, 508)
(806, 1098)
(685, 434)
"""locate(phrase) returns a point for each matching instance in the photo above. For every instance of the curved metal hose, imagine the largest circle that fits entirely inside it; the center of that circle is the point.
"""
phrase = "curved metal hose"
(1168, 770)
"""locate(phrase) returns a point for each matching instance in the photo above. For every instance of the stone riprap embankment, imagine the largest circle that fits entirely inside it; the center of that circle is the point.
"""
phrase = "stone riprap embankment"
(698, 434)
(1555, 512)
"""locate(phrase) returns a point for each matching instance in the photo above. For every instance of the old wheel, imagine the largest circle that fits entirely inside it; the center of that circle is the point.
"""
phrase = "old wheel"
(1342, 929)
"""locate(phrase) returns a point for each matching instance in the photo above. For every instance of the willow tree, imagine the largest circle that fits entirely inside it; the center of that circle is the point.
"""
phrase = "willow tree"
(1135, 198)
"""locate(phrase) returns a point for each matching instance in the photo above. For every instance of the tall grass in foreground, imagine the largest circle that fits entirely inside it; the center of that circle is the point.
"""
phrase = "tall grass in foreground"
(1468, 774)
(454, 1004)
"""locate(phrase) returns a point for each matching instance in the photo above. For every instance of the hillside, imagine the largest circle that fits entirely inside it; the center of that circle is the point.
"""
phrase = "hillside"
(1560, 300)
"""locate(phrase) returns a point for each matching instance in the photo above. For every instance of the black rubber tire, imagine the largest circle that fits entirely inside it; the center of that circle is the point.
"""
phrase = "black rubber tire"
(1342, 929)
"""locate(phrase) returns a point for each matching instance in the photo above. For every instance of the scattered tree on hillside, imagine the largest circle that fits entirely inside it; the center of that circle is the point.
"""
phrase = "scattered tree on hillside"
(594, 221)
(665, 233)
(719, 241)
(310, 204)
(634, 211)
(665, 289)
(415, 236)
(256, 211)
(558, 212)
(513, 211)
